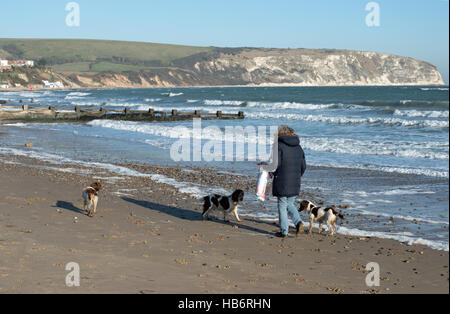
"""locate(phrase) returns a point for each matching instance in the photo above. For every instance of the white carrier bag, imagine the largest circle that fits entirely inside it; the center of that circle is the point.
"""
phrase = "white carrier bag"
(263, 179)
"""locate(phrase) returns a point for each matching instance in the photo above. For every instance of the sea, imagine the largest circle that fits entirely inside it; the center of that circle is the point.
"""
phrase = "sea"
(377, 132)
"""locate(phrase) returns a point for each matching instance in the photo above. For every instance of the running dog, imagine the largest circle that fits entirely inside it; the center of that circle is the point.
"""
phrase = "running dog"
(90, 197)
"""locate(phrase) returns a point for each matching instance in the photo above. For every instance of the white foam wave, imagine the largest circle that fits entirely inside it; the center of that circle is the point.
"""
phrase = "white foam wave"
(350, 120)
(293, 105)
(420, 113)
(209, 102)
(414, 171)
(404, 237)
(401, 237)
(435, 88)
(78, 94)
(152, 99)
(423, 150)
(176, 132)
(407, 218)
(192, 189)
(172, 94)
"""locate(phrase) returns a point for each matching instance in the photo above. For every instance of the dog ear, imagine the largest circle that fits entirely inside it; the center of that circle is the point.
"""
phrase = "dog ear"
(237, 196)
(304, 205)
(97, 186)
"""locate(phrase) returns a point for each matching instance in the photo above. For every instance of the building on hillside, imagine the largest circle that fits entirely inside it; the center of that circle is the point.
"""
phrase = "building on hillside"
(48, 84)
(4, 85)
(21, 63)
(4, 65)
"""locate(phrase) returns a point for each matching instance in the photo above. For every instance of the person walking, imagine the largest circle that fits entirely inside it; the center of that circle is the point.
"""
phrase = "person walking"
(287, 169)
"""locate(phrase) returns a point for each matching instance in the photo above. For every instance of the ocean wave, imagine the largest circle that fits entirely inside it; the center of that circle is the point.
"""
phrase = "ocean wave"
(277, 105)
(421, 113)
(351, 120)
(79, 94)
(294, 105)
(390, 169)
(192, 189)
(434, 88)
(405, 103)
(175, 132)
(152, 99)
(401, 217)
(401, 237)
(404, 237)
(423, 150)
(76, 95)
(237, 103)
(172, 94)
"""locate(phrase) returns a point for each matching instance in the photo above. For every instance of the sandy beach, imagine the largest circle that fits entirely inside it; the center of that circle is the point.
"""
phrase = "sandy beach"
(149, 238)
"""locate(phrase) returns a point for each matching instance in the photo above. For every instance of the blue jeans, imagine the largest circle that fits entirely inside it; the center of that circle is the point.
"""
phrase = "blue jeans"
(285, 206)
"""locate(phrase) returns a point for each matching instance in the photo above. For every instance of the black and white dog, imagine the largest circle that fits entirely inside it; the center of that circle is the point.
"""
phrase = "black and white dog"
(329, 215)
(226, 204)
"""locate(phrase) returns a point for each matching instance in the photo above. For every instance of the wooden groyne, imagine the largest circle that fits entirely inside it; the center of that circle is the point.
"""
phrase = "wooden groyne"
(52, 114)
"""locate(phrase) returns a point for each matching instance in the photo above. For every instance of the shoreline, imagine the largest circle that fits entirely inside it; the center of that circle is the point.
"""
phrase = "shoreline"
(145, 225)
(270, 85)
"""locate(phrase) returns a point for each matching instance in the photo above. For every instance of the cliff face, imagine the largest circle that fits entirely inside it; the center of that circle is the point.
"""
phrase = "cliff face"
(265, 67)
(317, 68)
(281, 67)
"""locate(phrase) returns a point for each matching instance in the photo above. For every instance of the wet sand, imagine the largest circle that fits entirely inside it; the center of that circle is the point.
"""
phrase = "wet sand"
(151, 239)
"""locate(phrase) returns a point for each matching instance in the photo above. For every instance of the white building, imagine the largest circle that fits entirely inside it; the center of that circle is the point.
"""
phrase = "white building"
(48, 84)
(3, 63)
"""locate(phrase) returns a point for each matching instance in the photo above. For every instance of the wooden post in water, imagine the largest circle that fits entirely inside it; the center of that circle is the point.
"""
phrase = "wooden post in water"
(151, 111)
(78, 111)
(219, 114)
(241, 114)
(174, 113)
(127, 111)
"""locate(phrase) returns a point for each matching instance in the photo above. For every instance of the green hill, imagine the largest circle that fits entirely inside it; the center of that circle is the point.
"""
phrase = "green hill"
(82, 63)
(80, 55)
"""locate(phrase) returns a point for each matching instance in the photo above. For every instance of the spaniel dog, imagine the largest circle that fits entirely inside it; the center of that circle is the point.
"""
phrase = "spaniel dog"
(90, 197)
(226, 204)
(329, 215)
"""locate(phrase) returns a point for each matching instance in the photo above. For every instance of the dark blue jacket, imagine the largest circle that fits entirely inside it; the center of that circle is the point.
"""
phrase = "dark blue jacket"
(291, 167)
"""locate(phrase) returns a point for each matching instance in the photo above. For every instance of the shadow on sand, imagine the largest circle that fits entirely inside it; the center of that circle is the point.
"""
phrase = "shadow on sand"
(190, 215)
(69, 206)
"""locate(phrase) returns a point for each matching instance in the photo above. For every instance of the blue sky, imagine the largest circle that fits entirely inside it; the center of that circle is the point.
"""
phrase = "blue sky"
(413, 28)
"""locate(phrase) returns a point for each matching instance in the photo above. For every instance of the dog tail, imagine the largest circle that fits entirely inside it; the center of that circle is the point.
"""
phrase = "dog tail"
(335, 212)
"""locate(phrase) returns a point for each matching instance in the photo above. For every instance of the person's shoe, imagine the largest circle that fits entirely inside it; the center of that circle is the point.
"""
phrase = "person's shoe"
(300, 228)
(281, 235)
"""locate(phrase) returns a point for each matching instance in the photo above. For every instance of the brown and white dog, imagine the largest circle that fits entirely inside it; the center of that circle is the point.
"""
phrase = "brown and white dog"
(329, 215)
(226, 204)
(90, 197)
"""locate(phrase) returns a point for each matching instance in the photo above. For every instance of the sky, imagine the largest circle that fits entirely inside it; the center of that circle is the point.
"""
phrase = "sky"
(412, 28)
